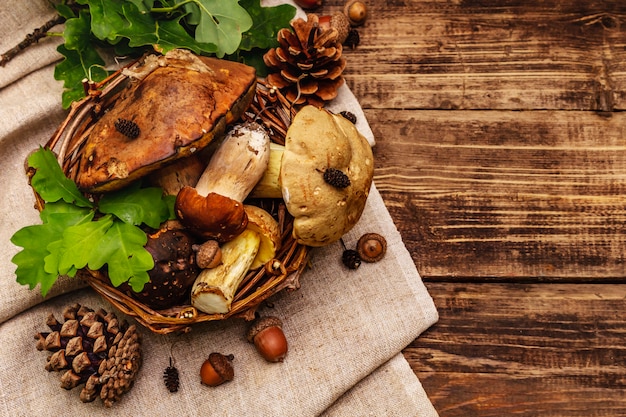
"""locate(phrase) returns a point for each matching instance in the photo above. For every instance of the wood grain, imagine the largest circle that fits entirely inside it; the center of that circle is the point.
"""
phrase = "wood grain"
(506, 195)
(514, 55)
(526, 350)
(501, 155)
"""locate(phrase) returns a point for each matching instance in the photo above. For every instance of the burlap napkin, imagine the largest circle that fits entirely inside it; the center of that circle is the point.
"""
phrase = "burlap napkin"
(345, 328)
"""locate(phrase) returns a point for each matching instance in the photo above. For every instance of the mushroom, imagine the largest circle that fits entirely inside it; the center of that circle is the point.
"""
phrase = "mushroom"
(174, 269)
(319, 143)
(215, 288)
(174, 106)
(214, 208)
(268, 229)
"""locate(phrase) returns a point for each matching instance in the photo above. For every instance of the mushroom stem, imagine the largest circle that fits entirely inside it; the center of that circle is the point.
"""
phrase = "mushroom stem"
(214, 208)
(237, 165)
(269, 185)
(182, 172)
(215, 288)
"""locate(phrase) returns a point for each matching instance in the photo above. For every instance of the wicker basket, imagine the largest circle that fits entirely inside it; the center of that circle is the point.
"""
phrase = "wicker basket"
(281, 273)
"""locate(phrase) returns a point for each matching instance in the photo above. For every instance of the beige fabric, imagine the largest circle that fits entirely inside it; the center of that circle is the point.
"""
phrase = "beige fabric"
(345, 328)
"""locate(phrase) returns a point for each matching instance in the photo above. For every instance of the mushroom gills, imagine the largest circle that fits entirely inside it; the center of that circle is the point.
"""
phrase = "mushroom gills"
(214, 289)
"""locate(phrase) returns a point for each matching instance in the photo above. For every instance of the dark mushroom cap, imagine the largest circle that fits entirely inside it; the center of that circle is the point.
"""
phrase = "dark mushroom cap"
(174, 269)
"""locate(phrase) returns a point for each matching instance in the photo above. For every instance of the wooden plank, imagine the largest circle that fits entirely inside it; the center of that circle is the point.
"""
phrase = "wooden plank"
(506, 195)
(524, 350)
(491, 54)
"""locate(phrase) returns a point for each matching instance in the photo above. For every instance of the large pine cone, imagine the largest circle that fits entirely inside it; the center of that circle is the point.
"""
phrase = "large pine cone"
(93, 348)
(308, 64)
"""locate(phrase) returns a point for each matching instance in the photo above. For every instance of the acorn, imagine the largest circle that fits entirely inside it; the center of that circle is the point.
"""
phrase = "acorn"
(356, 12)
(339, 21)
(217, 369)
(371, 247)
(267, 335)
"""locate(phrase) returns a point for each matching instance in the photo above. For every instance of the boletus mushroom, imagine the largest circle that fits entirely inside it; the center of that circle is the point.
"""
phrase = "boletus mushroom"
(323, 173)
(174, 106)
(213, 209)
(174, 269)
(215, 288)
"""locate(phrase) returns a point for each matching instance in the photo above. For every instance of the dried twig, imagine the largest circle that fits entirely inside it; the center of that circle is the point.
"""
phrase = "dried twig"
(30, 39)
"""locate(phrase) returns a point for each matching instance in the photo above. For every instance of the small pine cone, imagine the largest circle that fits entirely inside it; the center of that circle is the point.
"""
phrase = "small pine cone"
(336, 178)
(351, 258)
(92, 348)
(171, 378)
(127, 128)
(307, 66)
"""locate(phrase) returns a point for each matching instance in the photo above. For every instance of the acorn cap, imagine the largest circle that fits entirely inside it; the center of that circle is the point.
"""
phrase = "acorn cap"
(261, 324)
(179, 104)
(222, 366)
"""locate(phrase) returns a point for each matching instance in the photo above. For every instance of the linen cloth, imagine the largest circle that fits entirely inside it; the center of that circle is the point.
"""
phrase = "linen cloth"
(345, 327)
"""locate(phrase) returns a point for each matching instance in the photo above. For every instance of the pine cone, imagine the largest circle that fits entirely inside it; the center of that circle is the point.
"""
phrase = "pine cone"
(308, 65)
(92, 348)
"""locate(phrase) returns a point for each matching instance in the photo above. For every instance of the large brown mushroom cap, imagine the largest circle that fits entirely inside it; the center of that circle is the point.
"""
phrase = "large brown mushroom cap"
(176, 109)
(316, 141)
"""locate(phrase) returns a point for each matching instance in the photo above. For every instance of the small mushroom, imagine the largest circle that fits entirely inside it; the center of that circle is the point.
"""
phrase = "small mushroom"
(316, 141)
(214, 208)
(214, 289)
(268, 229)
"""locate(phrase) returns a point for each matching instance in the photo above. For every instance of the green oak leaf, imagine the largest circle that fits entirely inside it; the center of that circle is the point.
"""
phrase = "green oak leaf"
(106, 18)
(80, 242)
(51, 183)
(74, 68)
(266, 22)
(77, 32)
(122, 249)
(81, 59)
(221, 23)
(31, 260)
(164, 35)
(65, 11)
(134, 205)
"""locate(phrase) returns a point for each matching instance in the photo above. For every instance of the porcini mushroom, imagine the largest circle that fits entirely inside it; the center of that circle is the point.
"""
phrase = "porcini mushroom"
(215, 288)
(214, 208)
(174, 105)
(318, 141)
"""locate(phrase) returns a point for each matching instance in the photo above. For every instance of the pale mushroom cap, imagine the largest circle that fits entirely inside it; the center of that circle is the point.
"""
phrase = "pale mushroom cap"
(318, 140)
(268, 229)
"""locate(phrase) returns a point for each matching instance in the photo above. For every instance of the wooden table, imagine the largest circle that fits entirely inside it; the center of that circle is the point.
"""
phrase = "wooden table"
(501, 156)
